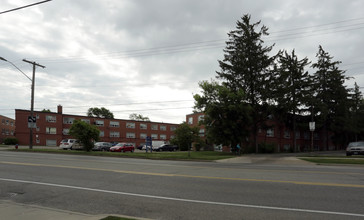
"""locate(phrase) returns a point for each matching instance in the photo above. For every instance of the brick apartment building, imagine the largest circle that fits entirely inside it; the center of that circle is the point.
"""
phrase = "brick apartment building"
(53, 127)
(7, 127)
(278, 134)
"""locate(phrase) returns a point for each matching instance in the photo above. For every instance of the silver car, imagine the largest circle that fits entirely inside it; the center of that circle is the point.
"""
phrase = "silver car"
(355, 148)
(102, 146)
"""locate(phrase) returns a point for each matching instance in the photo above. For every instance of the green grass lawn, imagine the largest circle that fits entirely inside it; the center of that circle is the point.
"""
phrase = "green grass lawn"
(178, 155)
(334, 160)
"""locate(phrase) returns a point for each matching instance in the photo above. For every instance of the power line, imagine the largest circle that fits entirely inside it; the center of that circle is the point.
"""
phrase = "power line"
(26, 6)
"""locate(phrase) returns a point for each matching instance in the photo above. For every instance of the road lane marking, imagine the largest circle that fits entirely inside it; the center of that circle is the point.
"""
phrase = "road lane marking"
(184, 200)
(192, 176)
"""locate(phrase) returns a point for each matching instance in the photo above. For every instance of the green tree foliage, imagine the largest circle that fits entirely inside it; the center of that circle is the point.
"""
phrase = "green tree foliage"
(291, 89)
(46, 110)
(138, 117)
(331, 98)
(227, 116)
(100, 113)
(85, 133)
(247, 66)
(185, 135)
(356, 115)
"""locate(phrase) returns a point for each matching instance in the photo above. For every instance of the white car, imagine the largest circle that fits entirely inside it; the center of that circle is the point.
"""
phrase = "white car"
(70, 144)
(355, 148)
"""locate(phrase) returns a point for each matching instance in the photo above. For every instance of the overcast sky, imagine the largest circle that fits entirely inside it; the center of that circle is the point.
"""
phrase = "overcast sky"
(147, 56)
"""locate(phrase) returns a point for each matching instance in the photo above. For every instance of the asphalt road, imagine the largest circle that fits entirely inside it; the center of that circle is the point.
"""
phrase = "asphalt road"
(182, 190)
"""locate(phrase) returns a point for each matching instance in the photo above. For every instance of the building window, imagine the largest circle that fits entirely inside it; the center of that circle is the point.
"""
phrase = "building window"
(163, 137)
(154, 136)
(114, 124)
(38, 129)
(86, 120)
(66, 131)
(50, 130)
(51, 118)
(102, 134)
(270, 132)
(12, 123)
(163, 128)
(287, 134)
(130, 125)
(68, 120)
(201, 118)
(7, 122)
(3, 121)
(143, 136)
(114, 134)
(172, 136)
(154, 127)
(190, 120)
(51, 142)
(201, 132)
(143, 126)
(130, 135)
(99, 123)
(173, 128)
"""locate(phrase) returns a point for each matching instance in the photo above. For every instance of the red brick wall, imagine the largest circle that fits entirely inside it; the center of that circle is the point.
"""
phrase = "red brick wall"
(7, 128)
(41, 136)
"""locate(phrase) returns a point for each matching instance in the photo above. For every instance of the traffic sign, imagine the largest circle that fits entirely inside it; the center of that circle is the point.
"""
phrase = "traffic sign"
(32, 119)
(32, 122)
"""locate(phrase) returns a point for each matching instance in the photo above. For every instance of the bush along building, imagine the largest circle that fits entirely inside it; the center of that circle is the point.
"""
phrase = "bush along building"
(52, 127)
(277, 137)
(7, 128)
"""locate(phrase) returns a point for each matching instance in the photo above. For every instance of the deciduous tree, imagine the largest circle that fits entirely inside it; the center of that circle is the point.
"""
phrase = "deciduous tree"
(85, 133)
(100, 113)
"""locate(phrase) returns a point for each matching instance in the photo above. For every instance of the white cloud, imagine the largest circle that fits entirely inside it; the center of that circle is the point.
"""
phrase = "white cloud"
(117, 53)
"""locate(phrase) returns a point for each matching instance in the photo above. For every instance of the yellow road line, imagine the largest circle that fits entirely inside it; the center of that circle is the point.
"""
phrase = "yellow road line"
(192, 176)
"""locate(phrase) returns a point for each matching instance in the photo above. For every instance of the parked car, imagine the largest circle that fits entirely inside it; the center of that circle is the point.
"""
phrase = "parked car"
(355, 148)
(167, 147)
(102, 146)
(122, 147)
(67, 144)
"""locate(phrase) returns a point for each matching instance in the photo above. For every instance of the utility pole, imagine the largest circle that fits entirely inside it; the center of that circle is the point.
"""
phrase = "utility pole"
(32, 100)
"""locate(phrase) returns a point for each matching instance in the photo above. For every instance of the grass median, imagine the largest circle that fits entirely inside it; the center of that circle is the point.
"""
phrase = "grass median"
(177, 155)
(359, 160)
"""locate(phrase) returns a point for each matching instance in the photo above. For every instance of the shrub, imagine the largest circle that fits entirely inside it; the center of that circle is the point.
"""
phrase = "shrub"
(11, 141)
(266, 147)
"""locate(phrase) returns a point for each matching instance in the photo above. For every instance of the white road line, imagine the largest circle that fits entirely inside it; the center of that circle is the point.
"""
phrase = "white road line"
(184, 200)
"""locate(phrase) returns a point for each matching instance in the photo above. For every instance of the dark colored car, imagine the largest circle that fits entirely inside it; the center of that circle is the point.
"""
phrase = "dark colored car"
(101, 146)
(167, 147)
(355, 148)
(122, 147)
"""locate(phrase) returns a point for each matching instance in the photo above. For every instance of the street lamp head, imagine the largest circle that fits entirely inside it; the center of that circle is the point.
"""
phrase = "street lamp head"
(1, 58)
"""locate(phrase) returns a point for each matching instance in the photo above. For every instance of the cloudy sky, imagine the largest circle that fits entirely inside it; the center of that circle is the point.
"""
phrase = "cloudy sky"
(147, 56)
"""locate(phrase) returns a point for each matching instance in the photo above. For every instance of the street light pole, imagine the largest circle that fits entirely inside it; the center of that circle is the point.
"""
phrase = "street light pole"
(32, 93)
(32, 101)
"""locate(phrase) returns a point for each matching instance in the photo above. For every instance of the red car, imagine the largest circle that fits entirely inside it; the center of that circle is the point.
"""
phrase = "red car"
(122, 147)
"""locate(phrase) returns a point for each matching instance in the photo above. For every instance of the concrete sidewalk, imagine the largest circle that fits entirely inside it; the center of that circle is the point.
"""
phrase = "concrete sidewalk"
(15, 211)
(266, 159)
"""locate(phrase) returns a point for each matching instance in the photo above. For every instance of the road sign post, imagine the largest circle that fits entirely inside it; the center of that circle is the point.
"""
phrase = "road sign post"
(32, 122)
